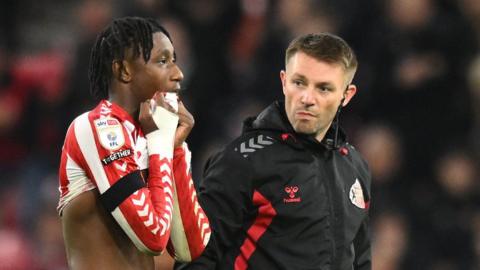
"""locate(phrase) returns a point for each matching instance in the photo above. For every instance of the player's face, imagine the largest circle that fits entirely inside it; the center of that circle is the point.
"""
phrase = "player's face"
(160, 73)
(313, 91)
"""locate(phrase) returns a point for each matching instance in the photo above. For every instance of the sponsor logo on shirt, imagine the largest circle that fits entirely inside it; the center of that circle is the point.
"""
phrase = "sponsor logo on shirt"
(292, 193)
(116, 156)
(105, 122)
(110, 133)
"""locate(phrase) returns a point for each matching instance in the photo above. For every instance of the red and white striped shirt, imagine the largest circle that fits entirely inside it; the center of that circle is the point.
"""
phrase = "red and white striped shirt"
(105, 145)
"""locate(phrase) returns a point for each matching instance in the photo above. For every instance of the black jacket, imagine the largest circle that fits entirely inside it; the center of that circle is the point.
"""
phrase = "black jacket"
(281, 200)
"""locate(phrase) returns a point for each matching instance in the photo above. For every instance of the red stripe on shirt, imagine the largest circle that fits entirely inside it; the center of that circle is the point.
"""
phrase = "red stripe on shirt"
(196, 225)
(266, 213)
(72, 149)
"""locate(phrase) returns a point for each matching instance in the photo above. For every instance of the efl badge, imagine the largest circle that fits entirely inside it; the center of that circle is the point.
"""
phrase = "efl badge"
(356, 195)
(110, 133)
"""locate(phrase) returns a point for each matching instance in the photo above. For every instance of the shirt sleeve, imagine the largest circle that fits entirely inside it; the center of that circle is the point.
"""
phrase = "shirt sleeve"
(143, 212)
(190, 231)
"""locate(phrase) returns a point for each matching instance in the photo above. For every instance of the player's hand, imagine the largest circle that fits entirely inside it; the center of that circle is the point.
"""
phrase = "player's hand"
(145, 117)
(185, 124)
(147, 108)
(159, 100)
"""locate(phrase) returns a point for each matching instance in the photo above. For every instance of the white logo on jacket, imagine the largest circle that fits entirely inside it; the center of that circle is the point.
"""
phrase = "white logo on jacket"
(356, 195)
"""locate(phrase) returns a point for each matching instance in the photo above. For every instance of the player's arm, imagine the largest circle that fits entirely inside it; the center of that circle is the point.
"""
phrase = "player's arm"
(190, 228)
(143, 211)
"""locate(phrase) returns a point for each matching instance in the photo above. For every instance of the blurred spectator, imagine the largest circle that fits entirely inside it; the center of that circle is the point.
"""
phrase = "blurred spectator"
(246, 40)
(476, 231)
(183, 46)
(8, 28)
(474, 86)
(145, 8)
(471, 8)
(283, 22)
(15, 252)
(28, 106)
(209, 24)
(381, 146)
(390, 242)
(417, 56)
(10, 110)
(443, 224)
(90, 17)
(15, 249)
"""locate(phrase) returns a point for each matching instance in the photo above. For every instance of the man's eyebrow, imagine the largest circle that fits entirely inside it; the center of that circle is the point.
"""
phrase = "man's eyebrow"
(165, 52)
(317, 84)
(300, 76)
(325, 84)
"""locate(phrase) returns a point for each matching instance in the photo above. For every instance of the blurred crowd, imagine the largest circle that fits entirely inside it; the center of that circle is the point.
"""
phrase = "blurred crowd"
(416, 117)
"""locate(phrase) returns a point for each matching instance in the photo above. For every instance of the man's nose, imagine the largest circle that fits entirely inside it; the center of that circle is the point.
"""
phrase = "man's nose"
(307, 97)
(177, 74)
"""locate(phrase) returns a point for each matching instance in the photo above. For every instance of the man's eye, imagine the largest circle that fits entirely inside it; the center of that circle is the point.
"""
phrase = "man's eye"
(162, 61)
(298, 82)
(325, 88)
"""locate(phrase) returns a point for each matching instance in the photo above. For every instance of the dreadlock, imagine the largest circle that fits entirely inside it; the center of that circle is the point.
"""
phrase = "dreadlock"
(111, 44)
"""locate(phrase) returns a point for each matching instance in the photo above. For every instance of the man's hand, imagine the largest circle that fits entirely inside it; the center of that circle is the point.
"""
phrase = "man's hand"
(145, 117)
(185, 124)
(147, 108)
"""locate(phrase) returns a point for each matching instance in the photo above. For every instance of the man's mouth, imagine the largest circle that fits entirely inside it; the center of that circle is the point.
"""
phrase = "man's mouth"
(304, 114)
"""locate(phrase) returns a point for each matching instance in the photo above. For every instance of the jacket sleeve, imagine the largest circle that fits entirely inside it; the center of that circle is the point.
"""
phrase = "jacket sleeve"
(362, 245)
(226, 196)
(362, 241)
(190, 230)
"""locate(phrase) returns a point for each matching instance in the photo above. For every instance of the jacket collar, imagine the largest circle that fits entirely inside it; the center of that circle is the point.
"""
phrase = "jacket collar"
(274, 120)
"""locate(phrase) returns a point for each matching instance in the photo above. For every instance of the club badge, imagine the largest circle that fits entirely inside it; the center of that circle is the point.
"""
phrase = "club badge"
(356, 195)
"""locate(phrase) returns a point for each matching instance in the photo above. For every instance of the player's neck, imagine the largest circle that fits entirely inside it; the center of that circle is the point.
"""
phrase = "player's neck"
(128, 103)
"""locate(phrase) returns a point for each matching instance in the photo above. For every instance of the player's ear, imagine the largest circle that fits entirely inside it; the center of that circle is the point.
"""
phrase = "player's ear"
(121, 71)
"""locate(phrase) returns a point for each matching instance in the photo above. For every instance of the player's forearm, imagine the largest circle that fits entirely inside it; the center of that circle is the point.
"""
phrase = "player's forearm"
(191, 230)
(148, 212)
(150, 209)
(160, 151)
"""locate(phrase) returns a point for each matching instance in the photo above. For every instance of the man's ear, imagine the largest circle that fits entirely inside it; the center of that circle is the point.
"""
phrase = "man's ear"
(348, 94)
(283, 78)
(121, 71)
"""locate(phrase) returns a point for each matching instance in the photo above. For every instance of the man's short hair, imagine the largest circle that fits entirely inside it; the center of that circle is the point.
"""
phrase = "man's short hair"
(325, 47)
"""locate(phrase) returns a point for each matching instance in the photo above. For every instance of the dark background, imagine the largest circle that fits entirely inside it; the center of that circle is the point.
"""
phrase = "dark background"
(415, 118)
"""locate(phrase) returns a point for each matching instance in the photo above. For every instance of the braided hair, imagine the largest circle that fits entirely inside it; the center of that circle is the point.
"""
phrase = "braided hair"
(111, 44)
